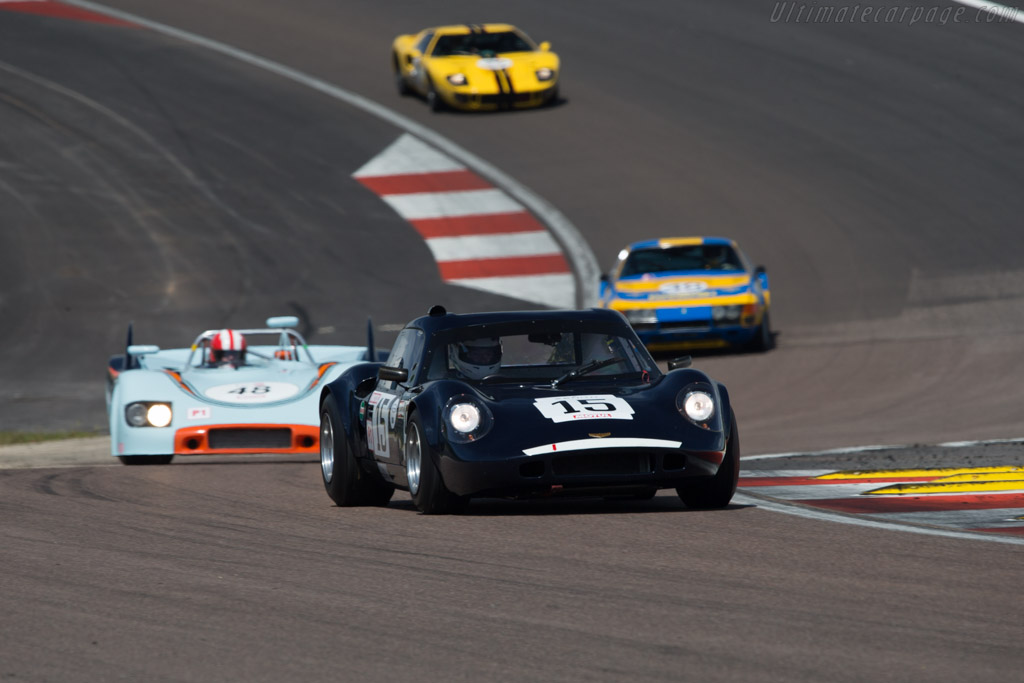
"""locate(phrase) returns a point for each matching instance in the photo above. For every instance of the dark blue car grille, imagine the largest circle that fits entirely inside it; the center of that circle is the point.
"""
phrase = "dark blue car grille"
(602, 464)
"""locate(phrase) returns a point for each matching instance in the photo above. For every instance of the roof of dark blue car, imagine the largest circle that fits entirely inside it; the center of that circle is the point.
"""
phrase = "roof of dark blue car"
(448, 320)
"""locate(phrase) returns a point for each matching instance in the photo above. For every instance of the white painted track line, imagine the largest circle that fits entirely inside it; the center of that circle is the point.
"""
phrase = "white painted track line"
(747, 498)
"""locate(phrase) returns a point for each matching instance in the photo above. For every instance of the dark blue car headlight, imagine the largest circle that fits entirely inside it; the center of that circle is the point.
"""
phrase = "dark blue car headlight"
(699, 403)
(466, 419)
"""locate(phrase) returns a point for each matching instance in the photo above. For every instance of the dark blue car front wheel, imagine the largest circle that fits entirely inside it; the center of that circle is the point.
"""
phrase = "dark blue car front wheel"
(426, 486)
(717, 491)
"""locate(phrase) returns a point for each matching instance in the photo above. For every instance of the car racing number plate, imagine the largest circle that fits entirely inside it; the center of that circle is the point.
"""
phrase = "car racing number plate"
(377, 430)
(573, 408)
(494, 63)
(684, 288)
(252, 392)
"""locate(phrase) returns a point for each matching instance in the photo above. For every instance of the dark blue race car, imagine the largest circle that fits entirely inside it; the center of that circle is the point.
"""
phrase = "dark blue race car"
(524, 404)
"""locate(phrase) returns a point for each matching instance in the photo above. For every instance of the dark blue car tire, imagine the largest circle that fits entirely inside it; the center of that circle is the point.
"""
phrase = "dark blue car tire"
(346, 482)
(707, 493)
(426, 485)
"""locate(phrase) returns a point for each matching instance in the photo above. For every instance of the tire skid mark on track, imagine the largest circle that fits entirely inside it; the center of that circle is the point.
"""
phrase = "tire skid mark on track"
(45, 485)
(480, 236)
(69, 484)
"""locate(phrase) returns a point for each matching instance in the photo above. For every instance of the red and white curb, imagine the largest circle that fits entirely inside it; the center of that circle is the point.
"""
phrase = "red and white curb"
(59, 10)
(480, 236)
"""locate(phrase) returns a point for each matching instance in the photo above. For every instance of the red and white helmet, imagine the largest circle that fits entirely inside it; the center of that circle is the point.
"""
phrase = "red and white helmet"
(227, 346)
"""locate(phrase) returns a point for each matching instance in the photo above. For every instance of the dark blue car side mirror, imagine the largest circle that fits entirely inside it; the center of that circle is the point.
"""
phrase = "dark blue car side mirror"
(393, 374)
(681, 362)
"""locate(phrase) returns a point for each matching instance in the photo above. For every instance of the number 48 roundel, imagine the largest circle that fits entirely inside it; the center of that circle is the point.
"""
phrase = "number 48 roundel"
(572, 408)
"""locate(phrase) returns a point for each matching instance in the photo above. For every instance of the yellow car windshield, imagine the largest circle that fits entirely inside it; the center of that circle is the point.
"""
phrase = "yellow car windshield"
(484, 44)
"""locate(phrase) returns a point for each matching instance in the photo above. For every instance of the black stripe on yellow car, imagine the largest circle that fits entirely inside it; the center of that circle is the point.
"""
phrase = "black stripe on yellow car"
(508, 80)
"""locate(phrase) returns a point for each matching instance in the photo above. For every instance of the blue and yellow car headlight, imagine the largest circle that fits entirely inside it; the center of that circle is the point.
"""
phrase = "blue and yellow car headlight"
(641, 316)
(726, 314)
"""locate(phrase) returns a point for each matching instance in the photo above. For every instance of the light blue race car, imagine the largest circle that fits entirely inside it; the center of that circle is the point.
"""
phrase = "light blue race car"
(223, 395)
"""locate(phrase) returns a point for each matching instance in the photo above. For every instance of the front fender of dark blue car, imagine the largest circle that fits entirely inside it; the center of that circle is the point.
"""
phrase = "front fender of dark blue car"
(520, 453)
(344, 391)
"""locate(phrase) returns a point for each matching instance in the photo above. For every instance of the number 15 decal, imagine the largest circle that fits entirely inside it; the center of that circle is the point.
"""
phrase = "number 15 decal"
(573, 408)
(381, 443)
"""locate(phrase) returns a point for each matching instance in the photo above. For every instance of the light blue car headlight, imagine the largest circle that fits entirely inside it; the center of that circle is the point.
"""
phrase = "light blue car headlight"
(148, 414)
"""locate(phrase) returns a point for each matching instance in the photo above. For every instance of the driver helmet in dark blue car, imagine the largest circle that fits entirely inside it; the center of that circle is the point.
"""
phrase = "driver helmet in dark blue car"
(477, 358)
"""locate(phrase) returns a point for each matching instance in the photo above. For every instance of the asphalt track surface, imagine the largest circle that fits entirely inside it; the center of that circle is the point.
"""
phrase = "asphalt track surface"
(874, 168)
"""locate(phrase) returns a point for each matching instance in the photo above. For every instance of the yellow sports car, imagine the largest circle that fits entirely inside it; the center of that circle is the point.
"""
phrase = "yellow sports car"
(475, 67)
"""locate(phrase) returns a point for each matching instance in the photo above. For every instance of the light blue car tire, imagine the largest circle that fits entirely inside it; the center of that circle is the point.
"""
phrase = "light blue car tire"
(145, 459)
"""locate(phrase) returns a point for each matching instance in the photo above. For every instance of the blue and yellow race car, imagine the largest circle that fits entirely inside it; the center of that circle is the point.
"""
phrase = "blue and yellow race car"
(690, 292)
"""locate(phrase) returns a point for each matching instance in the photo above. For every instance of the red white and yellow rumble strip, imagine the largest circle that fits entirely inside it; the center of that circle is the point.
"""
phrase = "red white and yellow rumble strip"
(989, 499)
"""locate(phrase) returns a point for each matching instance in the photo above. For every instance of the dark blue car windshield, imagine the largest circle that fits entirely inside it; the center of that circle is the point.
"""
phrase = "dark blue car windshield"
(476, 353)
